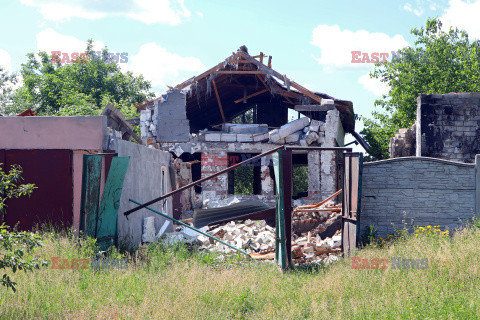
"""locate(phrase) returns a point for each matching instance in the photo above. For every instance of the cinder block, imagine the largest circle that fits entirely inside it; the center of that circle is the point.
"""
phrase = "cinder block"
(212, 137)
(244, 137)
(260, 137)
(228, 137)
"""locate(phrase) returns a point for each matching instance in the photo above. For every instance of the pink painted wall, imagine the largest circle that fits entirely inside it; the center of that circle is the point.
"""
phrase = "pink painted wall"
(74, 133)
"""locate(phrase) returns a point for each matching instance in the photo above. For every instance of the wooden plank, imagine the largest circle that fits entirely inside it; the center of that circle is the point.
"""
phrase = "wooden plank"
(270, 61)
(263, 81)
(314, 107)
(261, 57)
(251, 95)
(218, 101)
(303, 90)
(206, 73)
(91, 174)
(106, 230)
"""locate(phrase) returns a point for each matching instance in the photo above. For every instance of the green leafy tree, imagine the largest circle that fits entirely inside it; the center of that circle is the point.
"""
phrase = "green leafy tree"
(79, 88)
(300, 179)
(439, 62)
(7, 90)
(11, 186)
(16, 248)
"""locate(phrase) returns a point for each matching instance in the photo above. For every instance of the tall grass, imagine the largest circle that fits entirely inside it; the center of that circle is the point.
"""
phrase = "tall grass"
(164, 282)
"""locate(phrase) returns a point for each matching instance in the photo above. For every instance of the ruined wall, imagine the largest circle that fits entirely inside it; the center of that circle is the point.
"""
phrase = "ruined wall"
(147, 177)
(448, 126)
(167, 121)
(323, 169)
(418, 190)
(403, 144)
(215, 158)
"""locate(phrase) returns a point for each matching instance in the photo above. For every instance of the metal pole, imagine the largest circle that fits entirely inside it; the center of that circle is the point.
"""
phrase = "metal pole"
(190, 227)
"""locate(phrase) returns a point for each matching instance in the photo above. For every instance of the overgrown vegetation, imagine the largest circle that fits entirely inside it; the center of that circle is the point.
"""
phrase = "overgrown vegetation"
(16, 248)
(163, 282)
(440, 61)
(300, 180)
(244, 179)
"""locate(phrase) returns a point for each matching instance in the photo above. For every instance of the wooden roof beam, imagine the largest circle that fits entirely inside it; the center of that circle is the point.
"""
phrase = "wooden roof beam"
(218, 101)
(251, 95)
(206, 73)
(293, 84)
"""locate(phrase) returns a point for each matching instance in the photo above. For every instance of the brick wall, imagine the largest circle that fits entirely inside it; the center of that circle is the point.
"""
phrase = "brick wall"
(403, 143)
(449, 126)
(213, 162)
(419, 190)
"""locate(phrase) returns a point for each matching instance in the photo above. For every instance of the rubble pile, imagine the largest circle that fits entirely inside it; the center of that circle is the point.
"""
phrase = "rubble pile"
(252, 236)
(316, 234)
(259, 238)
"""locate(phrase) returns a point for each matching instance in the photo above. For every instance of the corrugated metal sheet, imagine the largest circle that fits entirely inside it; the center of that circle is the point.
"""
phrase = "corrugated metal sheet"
(52, 201)
(203, 217)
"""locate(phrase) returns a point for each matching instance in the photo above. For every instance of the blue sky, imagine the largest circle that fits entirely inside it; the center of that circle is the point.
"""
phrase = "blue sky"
(171, 40)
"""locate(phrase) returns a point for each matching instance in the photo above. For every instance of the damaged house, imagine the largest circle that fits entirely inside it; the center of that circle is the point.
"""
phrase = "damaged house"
(200, 122)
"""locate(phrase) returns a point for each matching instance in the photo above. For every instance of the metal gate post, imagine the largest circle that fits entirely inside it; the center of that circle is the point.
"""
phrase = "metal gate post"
(280, 237)
(359, 201)
(287, 202)
(352, 191)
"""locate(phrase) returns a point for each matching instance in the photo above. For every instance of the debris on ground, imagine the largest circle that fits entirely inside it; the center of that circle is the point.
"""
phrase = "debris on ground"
(316, 235)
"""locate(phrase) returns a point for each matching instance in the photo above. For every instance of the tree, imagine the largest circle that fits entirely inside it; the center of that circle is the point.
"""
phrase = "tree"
(82, 87)
(7, 90)
(10, 186)
(439, 62)
(16, 246)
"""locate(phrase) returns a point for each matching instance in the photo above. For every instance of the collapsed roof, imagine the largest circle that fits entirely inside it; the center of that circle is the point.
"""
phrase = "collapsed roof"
(242, 81)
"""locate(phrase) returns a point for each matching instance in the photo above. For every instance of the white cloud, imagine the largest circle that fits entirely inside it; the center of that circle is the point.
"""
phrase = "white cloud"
(374, 85)
(148, 11)
(162, 67)
(418, 11)
(337, 45)
(463, 15)
(49, 40)
(5, 60)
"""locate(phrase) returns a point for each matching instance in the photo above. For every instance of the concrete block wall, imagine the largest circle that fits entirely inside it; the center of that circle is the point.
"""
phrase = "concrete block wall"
(448, 126)
(167, 121)
(418, 191)
(322, 166)
(143, 182)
